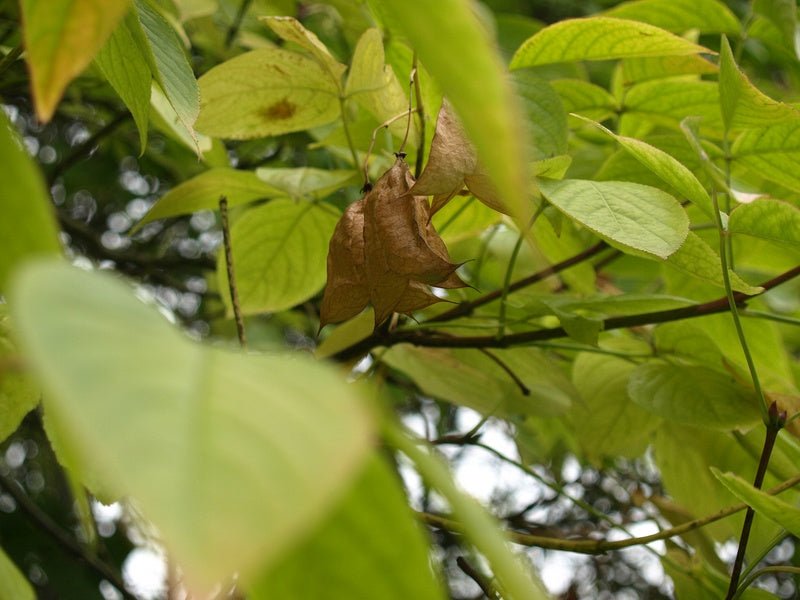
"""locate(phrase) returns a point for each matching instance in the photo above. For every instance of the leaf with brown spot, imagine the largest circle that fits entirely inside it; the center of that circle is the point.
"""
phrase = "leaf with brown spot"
(386, 252)
(453, 164)
(282, 109)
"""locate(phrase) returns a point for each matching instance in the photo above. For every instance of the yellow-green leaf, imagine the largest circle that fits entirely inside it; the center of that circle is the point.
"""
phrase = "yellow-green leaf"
(599, 38)
(679, 16)
(177, 425)
(28, 226)
(668, 102)
(266, 92)
(279, 252)
(345, 558)
(768, 219)
(61, 38)
(635, 217)
(771, 152)
(743, 104)
(291, 30)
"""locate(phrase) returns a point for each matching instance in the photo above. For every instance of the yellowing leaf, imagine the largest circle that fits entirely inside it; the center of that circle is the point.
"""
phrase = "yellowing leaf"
(291, 30)
(266, 92)
(599, 38)
(61, 38)
(278, 254)
(189, 423)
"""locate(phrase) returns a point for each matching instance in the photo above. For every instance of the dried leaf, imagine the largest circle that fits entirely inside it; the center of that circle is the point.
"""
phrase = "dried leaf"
(453, 164)
(386, 252)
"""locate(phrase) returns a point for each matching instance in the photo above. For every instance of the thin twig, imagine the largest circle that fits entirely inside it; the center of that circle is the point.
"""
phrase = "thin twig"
(777, 419)
(478, 578)
(437, 340)
(422, 117)
(374, 137)
(10, 58)
(593, 546)
(83, 150)
(233, 31)
(46, 524)
(764, 571)
(467, 308)
(226, 241)
(514, 377)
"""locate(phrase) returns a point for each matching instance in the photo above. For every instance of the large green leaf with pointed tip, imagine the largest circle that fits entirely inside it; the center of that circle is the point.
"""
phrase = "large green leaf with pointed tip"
(776, 510)
(124, 64)
(679, 16)
(266, 92)
(599, 38)
(771, 152)
(668, 102)
(693, 395)
(635, 217)
(665, 167)
(28, 226)
(743, 104)
(177, 425)
(768, 219)
(349, 557)
(204, 191)
(698, 259)
(279, 252)
(169, 64)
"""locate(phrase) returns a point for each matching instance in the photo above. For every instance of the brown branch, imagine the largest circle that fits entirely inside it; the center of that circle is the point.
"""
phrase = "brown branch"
(593, 546)
(226, 237)
(476, 576)
(437, 340)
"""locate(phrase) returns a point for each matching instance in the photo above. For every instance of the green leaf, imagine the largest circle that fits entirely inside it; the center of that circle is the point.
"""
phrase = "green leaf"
(475, 84)
(347, 334)
(125, 66)
(776, 510)
(783, 15)
(307, 182)
(693, 395)
(374, 85)
(204, 191)
(599, 38)
(769, 219)
(665, 167)
(513, 576)
(18, 392)
(13, 584)
(743, 104)
(177, 425)
(28, 226)
(545, 115)
(668, 102)
(266, 92)
(635, 70)
(169, 65)
(349, 557)
(607, 422)
(679, 16)
(279, 252)
(290, 29)
(473, 379)
(580, 96)
(698, 259)
(771, 152)
(633, 217)
(463, 217)
(61, 38)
